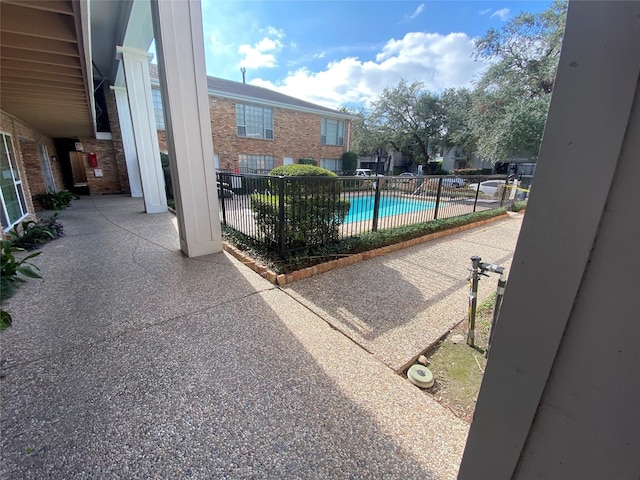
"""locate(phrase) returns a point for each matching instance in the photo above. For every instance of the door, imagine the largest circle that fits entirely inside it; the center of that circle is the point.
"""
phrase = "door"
(77, 169)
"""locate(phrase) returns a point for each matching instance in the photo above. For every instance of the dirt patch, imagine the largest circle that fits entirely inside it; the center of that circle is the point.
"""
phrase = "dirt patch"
(458, 368)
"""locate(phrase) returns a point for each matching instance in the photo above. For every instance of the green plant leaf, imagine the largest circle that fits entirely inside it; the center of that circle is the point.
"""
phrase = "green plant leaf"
(5, 319)
(28, 271)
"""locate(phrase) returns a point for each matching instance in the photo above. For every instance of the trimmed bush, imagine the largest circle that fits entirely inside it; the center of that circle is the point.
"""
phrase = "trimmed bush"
(313, 209)
(365, 242)
(349, 162)
(467, 171)
(307, 161)
(520, 205)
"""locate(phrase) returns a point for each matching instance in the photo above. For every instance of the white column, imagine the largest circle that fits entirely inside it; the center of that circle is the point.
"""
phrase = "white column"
(136, 72)
(183, 80)
(128, 141)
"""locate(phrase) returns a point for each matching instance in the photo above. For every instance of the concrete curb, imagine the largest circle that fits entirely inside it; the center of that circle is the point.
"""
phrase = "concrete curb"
(287, 278)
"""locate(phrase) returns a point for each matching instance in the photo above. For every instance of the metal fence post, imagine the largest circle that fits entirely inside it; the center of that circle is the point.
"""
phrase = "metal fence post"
(220, 183)
(281, 219)
(376, 203)
(435, 213)
(473, 299)
(502, 283)
(504, 191)
(475, 202)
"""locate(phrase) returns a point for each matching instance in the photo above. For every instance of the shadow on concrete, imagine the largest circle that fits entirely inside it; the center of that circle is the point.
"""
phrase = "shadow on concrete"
(131, 360)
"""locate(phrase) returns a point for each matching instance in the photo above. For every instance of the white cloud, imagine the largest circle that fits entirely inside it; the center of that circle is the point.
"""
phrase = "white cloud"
(439, 61)
(417, 12)
(485, 11)
(263, 53)
(219, 46)
(503, 14)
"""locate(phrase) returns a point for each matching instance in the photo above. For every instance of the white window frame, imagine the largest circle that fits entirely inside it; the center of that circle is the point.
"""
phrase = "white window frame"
(327, 136)
(158, 111)
(330, 163)
(17, 183)
(264, 123)
(255, 163)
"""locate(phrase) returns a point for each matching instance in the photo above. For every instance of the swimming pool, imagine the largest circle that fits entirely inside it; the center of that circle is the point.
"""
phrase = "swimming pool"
(361, 208)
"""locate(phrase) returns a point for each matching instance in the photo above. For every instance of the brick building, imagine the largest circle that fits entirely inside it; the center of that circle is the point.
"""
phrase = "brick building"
(255, 129)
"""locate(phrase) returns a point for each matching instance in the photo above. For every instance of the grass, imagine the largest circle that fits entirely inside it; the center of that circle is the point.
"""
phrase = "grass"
(458, 368)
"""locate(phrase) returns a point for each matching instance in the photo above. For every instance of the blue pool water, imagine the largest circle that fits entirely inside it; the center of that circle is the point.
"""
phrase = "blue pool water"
(362, 207)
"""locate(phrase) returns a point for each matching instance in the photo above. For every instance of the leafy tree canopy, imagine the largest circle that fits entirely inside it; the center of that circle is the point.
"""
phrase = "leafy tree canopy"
(511, 99)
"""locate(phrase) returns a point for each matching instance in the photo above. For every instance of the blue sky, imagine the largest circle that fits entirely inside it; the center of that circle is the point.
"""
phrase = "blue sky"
(346, 52)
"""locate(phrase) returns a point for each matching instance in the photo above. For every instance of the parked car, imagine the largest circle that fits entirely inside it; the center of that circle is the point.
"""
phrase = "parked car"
(363, 172)
(448, 182)
(455, 182)
(488, 187)
(407, 174)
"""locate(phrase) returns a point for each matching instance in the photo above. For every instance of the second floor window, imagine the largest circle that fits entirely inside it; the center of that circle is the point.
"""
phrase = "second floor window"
(254, 122)
(332, 132)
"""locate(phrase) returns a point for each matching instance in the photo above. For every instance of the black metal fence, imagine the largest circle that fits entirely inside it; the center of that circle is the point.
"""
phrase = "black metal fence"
(293, 213)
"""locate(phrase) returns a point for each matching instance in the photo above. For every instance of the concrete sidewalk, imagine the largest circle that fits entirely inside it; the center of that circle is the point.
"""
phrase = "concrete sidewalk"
(130, 360)
(397, 305)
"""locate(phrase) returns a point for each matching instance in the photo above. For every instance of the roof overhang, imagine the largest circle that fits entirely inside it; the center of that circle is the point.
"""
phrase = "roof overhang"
(46, 78)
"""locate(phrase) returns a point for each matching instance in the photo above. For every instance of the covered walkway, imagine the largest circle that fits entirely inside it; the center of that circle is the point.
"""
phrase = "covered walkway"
(132, 360)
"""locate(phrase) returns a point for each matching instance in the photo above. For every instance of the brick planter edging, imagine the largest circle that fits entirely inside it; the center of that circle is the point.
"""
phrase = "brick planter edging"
(286, 278)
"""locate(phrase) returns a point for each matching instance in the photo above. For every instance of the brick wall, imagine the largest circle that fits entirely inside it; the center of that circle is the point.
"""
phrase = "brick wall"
(296, 135)
(116, 135)
(162, 140)
(106, 154)
(26, 141)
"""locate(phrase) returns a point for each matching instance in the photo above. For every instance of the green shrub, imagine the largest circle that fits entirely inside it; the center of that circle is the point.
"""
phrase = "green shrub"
(313, 209)
(164, 159)
(517, 206)
(467, 171)
(316, 254)
(301, 170)
(349, 162)
(12, 274)
(54, 200)
(307, 161)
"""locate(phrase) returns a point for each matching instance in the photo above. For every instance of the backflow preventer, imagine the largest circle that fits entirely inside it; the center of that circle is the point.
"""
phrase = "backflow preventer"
(479, 268)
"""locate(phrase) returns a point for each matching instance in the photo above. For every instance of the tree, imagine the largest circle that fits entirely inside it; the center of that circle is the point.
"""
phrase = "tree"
(366, 135)
(408, 119)
(511, 99)
(458, 121)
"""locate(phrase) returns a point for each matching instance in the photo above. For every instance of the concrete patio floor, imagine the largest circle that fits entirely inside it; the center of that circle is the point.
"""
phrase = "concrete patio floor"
(130, 360)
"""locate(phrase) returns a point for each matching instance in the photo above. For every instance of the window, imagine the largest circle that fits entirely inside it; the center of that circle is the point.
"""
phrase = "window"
(14, 208)
(255, 163)
(46, 169)
(254, 122)
(157, 108)
(332, 132)
(333, 164)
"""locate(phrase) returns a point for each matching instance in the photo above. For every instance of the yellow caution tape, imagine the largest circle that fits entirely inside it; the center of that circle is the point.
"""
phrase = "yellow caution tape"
(518, 188)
